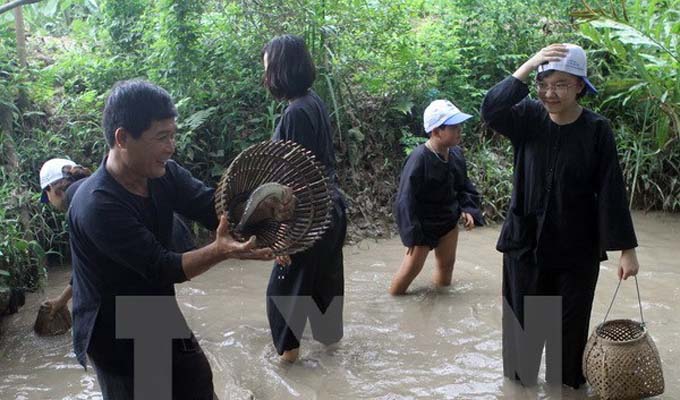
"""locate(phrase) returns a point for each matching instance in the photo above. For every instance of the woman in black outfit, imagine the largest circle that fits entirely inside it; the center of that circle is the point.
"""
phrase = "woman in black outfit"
(312, 280)
(568, 208)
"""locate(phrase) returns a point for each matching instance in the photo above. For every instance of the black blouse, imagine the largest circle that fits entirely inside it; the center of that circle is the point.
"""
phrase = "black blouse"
(569, 201)
(433, 192)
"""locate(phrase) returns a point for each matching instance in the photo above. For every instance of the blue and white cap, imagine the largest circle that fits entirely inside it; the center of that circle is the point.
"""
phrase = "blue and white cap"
(573, 63)
(442, 112)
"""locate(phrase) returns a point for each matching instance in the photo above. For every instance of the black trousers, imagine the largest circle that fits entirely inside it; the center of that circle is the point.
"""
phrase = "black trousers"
(522, 349)
(310, 288)
(191, 375)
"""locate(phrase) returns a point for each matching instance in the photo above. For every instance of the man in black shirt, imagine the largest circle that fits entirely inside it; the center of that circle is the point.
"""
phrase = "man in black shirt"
(120, 231)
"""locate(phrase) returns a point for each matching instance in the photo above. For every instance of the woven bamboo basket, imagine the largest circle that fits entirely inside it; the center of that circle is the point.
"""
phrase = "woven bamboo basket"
(620, 360)
(46, 325)
(289, 164)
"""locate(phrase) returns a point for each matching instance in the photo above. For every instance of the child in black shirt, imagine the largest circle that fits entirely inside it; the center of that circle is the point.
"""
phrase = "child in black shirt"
(434, 194)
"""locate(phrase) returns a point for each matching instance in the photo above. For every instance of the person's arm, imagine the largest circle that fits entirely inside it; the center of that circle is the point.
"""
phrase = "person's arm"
(114, 230)
(192, 198)
(615, 225)
(198, 261)
(506, 108)
(468, 197)
(554, 52)
(410, 182)
(56, 304)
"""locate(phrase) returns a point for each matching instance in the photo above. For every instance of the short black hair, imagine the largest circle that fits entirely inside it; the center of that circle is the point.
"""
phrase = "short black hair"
(542, 75)
(290, 69)
(134, 105)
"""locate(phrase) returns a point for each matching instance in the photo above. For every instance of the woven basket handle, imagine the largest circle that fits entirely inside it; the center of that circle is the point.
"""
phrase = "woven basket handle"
(642, 318)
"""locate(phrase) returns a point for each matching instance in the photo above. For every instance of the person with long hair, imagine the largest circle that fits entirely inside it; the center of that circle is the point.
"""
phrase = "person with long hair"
(316, 273)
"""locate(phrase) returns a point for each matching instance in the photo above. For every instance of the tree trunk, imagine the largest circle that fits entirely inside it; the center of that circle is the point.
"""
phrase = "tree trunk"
(21, 36)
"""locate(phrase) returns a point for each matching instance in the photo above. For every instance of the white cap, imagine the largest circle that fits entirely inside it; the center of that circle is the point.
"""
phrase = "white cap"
(51, 171)
(442, 112)
(575, 63)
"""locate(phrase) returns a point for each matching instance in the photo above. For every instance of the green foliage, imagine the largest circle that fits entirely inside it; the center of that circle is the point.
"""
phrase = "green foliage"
(21, 256)
(379, 65)
(640, 59)
(637, 59)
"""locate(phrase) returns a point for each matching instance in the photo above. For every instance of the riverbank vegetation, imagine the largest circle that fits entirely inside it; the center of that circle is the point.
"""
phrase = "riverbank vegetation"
(380, 63)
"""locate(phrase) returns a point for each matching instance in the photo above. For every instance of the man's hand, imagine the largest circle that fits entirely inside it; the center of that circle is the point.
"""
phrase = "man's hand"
(226, 244)
(468, 221)
(232, 248)
(628, 264)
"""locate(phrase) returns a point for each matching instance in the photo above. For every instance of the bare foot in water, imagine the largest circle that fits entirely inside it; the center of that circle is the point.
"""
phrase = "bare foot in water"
(290, 355)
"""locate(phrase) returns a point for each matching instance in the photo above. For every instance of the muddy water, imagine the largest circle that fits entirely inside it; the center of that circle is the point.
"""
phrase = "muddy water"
(441, 344)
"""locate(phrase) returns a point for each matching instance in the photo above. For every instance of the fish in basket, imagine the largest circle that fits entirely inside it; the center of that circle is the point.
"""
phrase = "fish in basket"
(277, 191)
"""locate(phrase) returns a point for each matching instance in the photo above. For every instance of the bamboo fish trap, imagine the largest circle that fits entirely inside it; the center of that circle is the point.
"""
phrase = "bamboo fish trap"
(289, 164)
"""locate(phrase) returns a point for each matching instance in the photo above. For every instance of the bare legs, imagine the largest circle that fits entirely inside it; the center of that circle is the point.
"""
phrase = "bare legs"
(445, 256)
(410, 268)
(414, 259)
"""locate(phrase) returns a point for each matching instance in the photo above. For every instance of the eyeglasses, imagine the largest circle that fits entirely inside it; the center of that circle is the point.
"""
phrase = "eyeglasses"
(559, 88)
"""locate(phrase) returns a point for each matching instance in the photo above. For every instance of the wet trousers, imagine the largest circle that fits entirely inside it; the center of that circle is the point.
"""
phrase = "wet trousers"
(191, 375)
(522, 343)
(311, 287)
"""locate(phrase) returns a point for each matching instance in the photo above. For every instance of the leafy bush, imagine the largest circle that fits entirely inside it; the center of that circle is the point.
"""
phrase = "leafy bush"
(379, 64)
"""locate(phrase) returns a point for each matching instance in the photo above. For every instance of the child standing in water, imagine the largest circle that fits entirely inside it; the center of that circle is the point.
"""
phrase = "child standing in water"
(59, 180)
(434, 194)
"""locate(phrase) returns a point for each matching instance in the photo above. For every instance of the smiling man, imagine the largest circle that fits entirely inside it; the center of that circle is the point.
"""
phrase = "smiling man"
(121, 225)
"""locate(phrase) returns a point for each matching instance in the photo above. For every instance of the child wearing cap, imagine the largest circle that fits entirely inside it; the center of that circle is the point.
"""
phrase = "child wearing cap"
(434, 194)
(59, 180)
(568, 208)
(56, 178)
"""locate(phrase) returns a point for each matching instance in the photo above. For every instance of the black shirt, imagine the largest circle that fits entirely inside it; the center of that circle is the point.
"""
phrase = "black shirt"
(568, 202)
(432, 194)
(119, 244)
(305, 121)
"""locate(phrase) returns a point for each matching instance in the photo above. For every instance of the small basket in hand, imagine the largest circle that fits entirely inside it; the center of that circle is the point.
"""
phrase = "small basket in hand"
(620, 360)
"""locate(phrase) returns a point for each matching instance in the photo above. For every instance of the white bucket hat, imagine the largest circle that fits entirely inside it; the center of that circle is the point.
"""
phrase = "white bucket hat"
(573, 63)
(442, 112)
(52, 171)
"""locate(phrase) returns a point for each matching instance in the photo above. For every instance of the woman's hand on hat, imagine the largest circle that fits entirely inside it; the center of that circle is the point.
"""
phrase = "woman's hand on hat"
(554, 52)
(628, 264)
